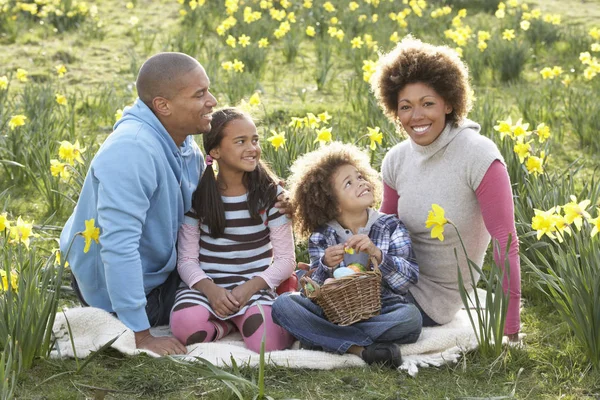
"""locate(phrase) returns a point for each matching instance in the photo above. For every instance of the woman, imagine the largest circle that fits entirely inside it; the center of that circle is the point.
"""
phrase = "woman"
(425, 90)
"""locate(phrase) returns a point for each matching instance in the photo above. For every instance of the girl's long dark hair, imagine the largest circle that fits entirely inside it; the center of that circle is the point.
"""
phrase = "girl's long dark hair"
(260, 183)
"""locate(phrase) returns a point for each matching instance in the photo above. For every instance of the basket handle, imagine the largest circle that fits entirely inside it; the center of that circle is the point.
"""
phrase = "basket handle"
(314, 293)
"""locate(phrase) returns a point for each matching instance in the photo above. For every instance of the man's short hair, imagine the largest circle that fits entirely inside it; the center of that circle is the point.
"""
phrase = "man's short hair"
(159, 75)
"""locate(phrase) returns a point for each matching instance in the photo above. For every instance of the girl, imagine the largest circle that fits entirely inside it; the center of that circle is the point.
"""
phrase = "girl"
(425, 90)
(333, 189)
(225, 250)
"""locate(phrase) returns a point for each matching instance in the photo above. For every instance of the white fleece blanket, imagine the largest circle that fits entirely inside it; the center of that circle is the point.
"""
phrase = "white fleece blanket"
(91, 328)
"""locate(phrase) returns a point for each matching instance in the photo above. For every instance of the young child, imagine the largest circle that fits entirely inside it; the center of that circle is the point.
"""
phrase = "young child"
(237, 248)
(333, 190)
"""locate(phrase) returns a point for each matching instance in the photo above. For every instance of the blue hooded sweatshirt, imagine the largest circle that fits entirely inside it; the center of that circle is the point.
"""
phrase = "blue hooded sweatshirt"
(138, 188)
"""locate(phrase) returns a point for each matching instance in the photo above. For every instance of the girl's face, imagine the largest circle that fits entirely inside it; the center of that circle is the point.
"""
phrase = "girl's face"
(422, 112)
(239, 150)
(352, 192)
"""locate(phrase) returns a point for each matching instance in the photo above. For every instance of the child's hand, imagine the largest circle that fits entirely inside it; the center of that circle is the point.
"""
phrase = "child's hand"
(333, 255)
(221, 300)
(363, 243)
(243, 292)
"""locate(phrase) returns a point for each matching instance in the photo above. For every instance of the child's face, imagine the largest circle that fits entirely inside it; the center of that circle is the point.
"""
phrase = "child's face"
(239, 149)
(353, 193)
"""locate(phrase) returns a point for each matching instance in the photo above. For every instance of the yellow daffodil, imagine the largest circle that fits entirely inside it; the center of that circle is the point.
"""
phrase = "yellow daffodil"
(307, 4)
(595, 222)
(595, 33)
(543, 132)
(323, 136)
(14, 280)
(324, 117)
(544, 223)
(244, 40)
(481, 45)
(575, 212)
(262, 43)
(525, 25)
(4, 222)
(238, 66)
(436, 220)
(504, 128)
(522, 149)
(22, 75)
(227, 65)
(483, 35)
(3, 82)
(277, 139)
(394, 37)
(375, 136)
(357, 42)
(231, 41)
(329, 7)
(312, 121)
(368, 68)
(567, 80)
(500, 14)
(129, 5)
(57, 259)
(133, 21)
(118, 114)
(547, 73)
(585, 57)
(90, 233)
(595, 47)
(21, 232)
(520, 129)
(61, 169)
(535, 165)
(310, 31)
(296, 122)
(353, 6)
(71, 152)
(61, 99)
(254, 99)
(508, 34)
(16, 121)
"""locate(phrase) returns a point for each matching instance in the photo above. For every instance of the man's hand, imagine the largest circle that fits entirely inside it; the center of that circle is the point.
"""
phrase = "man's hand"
(284, 205)
(244, 291)
(333, 255)
(221, 300)
(363, 243)
(164, 346)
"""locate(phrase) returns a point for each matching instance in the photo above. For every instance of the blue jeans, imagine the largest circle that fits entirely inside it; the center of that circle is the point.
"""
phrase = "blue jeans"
(398, 322)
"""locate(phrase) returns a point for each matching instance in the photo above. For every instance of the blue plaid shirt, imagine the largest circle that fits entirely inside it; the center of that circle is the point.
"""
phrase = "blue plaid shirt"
(398, 268)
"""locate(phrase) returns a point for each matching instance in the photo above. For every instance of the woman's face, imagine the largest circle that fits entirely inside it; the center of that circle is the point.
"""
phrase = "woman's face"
(422, 112)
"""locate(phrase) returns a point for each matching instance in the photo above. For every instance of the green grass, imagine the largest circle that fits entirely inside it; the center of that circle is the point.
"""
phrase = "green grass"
(550, 366)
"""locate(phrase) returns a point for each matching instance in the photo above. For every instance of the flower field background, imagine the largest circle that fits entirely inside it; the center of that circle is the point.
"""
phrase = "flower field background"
(302, 68)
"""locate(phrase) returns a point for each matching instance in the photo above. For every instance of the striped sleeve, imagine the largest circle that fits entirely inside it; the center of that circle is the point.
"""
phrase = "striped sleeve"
(284, 257)
(274, 216)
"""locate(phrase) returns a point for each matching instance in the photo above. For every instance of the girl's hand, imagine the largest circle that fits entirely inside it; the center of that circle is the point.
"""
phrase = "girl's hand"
(363, 243)
(243, 292)
(333, 255)
(221, 300)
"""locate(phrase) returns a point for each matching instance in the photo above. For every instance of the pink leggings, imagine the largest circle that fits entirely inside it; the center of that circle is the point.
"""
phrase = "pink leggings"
(196, 324)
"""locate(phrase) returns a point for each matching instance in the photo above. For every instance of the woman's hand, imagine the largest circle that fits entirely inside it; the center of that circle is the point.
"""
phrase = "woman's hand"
(363, 243)
(333, 255)
(221, 300)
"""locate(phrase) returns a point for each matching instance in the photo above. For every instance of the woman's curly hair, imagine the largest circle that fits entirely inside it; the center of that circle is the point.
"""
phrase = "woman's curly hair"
(312, 196)
(413, 61)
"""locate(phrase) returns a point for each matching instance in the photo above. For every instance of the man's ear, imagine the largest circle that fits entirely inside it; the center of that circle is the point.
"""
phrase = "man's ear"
(161, 106)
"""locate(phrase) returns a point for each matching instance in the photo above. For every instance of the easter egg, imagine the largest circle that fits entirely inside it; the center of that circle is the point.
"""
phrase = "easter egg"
(328, 280)
(357, 267)
(343, 271)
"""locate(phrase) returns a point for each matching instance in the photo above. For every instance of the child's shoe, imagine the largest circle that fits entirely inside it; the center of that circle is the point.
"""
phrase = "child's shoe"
(387, 354)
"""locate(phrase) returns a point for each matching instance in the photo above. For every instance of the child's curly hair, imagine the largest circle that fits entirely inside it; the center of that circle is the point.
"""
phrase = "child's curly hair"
(312, 197)
(413, 61)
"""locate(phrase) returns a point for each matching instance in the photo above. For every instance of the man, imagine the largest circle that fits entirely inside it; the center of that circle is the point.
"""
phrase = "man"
(138, 188)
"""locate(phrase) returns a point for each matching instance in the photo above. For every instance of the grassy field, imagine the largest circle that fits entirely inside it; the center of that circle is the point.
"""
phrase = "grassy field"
(102, 55)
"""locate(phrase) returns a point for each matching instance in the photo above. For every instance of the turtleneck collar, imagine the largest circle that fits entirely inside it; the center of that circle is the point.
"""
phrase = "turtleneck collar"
(448, 134)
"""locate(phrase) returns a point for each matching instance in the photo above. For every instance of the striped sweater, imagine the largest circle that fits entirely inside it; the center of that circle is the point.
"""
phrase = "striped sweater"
(243, 252)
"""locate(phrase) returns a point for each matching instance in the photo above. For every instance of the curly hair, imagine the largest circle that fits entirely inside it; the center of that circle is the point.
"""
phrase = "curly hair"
(413, 61)
(312, 196)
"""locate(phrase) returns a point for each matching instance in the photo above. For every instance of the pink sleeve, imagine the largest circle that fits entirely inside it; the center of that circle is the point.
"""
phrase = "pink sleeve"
(389, 205)
(284, 256)
(188, 250)
(494, 195)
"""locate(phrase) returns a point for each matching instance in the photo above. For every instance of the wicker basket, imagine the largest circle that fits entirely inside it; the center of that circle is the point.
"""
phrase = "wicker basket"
(350, 299)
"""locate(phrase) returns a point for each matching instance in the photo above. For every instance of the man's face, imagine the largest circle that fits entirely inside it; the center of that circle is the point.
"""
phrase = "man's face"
(192, 105)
